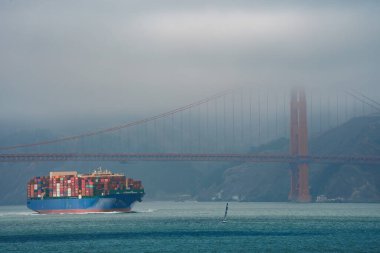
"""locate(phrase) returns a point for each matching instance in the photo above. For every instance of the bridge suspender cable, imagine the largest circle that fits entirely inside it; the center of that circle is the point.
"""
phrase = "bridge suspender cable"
(112, 129)
(368, 98)
(364, 99)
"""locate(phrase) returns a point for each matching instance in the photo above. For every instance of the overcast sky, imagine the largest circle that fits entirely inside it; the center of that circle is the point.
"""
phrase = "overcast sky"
(83, 59)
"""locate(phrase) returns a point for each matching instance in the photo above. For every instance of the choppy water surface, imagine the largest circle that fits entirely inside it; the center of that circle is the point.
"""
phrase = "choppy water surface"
(194, 226)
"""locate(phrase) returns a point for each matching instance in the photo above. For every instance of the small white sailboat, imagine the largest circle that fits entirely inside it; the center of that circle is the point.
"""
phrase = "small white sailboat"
(225, 214)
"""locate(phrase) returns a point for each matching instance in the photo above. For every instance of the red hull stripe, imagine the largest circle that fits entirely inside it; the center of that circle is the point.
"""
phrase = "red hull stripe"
(83, 210)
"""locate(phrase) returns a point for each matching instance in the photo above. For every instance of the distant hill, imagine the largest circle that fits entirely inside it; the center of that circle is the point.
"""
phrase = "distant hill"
(207, 181)
(359, 136)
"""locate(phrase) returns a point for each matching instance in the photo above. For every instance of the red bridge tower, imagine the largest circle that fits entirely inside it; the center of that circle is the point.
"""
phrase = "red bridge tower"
(299, 181)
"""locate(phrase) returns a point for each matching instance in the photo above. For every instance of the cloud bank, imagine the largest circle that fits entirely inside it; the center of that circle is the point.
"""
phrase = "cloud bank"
(78, 59)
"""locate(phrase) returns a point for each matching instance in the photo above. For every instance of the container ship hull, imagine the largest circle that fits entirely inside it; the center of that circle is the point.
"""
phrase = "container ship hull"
(109, 203)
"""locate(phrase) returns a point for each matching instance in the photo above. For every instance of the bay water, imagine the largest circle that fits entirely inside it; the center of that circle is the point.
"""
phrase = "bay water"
(197, 227)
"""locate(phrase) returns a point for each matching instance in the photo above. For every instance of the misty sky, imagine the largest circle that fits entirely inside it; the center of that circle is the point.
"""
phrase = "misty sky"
(84, 59)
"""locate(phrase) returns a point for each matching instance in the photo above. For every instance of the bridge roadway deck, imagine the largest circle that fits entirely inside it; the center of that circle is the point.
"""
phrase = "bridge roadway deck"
(125, 157)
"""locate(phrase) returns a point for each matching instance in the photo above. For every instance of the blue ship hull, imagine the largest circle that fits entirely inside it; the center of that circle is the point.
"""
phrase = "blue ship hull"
(109, 203)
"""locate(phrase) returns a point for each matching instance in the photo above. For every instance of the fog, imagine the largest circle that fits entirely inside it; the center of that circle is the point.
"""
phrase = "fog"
(73, 61)
(73, 68)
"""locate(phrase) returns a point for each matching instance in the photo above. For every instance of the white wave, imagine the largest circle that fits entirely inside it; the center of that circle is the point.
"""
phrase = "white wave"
(146, 211)
(18, 213)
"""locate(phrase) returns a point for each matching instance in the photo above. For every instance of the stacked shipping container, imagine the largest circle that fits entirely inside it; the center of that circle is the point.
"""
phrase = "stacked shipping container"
(37, 187)
(63, 186)
(69, 184)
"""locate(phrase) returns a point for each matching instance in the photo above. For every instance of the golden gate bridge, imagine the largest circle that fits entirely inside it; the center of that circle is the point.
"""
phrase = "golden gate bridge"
(298, 156)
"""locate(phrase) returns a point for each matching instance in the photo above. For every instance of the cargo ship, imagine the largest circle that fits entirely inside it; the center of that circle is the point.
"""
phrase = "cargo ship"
(70, 192)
